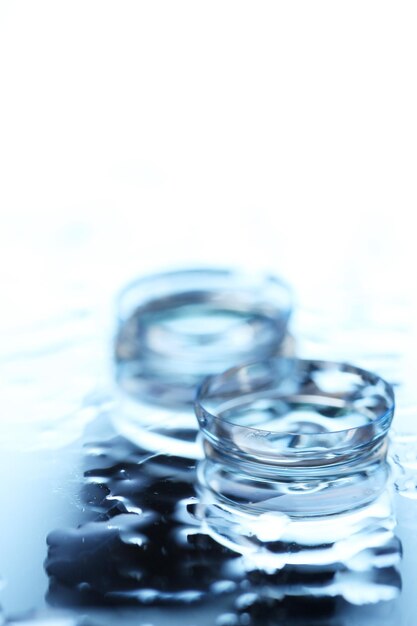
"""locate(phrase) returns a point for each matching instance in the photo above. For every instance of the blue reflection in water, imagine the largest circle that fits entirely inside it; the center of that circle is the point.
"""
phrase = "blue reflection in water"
(143, 544)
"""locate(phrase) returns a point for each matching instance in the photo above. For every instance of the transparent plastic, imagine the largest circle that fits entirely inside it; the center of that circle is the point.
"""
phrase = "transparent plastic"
(300, 437)
(178, 327)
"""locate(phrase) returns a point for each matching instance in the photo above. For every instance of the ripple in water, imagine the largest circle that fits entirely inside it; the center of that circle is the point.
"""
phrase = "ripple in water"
(404, 457)
(143, 544)
(50, 380)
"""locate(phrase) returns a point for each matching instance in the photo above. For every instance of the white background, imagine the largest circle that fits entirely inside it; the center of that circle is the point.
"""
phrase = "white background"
(137, 135)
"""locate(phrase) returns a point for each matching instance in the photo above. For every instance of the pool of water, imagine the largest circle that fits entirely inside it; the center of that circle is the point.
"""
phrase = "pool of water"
(100, 530)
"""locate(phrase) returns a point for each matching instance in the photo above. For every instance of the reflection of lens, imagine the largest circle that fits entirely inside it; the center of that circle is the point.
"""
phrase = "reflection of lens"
(143, 544)
(351, 555)
(175, 329)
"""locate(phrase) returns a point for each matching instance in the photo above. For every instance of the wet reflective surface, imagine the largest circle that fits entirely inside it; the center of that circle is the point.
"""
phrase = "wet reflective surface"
(117, 532)
(95, 530)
